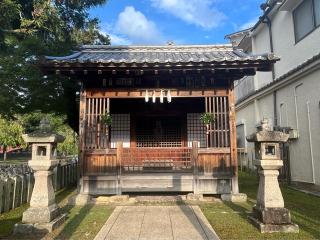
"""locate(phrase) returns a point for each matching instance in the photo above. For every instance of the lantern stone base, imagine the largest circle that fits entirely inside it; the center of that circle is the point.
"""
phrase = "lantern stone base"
(40, 214)
(272, 215)
(270, 220)
(272, 228)
(39, 228)
(40, 220)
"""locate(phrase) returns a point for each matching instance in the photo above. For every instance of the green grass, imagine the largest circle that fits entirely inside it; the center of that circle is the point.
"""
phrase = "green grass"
(83, 222)
(8, 219)
(230, 220)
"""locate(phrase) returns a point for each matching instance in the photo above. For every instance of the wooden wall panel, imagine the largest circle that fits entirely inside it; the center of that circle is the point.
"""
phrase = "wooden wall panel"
(100, 164)
(214, 164)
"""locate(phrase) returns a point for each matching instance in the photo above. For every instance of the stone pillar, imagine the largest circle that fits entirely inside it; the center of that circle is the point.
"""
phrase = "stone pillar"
(269, 214)
(43, 213)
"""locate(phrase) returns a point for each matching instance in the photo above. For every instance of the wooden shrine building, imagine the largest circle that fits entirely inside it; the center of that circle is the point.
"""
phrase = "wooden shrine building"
(156, 98)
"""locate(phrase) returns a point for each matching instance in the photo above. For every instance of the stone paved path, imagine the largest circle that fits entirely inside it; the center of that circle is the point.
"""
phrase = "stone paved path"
(157, 223)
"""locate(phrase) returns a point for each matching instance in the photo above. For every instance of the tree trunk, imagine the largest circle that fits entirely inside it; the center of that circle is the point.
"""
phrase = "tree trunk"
(4, 153)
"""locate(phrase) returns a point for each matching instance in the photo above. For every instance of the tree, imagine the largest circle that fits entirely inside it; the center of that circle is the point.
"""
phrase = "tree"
(28, 31)
(58, 124)
(10, 135)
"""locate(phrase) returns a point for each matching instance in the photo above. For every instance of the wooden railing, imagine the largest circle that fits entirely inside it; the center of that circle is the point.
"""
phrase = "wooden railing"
(155, 159)
(203, 161)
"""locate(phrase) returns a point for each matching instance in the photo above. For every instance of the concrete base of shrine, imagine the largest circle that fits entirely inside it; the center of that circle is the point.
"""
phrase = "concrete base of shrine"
(234, 197)
(80, 199)
(38, 228)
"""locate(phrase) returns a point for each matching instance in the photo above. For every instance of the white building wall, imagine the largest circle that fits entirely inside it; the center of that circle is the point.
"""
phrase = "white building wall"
(292, 54)
(304, 151)
(304, 157)
(265, 108)
(246, 116)
(261, 44)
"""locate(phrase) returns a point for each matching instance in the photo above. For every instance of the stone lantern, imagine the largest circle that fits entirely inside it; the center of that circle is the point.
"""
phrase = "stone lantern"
(269, 214)
(43, 213)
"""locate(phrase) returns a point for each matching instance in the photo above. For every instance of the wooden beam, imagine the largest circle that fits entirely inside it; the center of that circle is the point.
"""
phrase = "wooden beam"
(140, 93)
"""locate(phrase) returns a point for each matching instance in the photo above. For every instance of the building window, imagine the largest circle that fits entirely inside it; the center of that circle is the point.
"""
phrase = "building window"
(306, 18)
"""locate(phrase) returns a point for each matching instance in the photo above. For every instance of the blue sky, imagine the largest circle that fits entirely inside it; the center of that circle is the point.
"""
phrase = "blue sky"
(180, 21)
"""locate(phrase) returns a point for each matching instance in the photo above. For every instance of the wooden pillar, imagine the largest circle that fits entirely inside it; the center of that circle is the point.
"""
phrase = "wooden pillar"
(108, 128)
(82, 137)
(233, 142)
(119, 157)
(207, 110)
(194, 159)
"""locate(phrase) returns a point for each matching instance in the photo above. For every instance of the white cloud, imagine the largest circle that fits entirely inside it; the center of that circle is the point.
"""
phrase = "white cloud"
(119, 40)
(136, 28)
(198, 12)
(249, 24)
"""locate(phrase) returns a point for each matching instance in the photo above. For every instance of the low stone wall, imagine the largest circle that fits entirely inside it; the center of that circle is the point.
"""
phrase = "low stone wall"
(16, 182)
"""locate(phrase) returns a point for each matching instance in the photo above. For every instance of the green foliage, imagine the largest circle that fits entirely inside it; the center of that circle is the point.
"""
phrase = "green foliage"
(70, 144)
(9, 13)
(207, 118)
(28, 31)
(106, 119)
(58, 124)
(10, 133)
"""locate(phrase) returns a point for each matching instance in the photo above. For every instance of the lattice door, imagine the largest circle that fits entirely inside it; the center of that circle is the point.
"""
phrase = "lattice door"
(158, 132)
(120, 130)
(219, 131)
(196, 130)
(96, 133)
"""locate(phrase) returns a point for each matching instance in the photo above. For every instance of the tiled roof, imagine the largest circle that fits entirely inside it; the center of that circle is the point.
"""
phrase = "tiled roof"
(160, 55)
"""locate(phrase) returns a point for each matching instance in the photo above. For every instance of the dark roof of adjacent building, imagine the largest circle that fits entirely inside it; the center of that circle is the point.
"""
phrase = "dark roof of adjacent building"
(160, 55)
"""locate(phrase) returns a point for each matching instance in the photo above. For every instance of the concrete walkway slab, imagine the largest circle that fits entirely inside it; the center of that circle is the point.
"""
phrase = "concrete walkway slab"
(157, 223)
